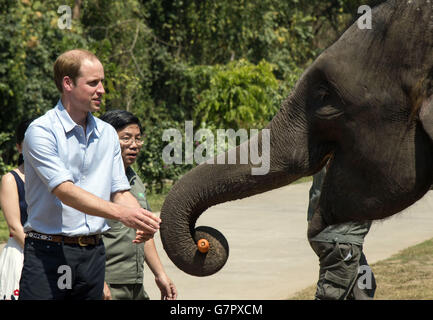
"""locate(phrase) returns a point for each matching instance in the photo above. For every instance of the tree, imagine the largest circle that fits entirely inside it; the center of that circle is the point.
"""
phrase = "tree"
(240, 95)
(29, 42)
(167, 61)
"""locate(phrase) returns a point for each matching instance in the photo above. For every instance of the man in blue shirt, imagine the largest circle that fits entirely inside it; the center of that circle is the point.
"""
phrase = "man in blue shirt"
(75, 179)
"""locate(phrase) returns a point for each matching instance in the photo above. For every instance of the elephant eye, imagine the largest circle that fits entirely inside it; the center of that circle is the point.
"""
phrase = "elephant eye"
(322, 94)
(328, 112)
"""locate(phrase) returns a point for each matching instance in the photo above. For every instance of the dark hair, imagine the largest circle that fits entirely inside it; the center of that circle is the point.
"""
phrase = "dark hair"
(19, 135)
(119, 119)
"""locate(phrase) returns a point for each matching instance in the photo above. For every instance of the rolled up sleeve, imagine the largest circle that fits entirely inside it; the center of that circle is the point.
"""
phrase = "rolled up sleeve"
(41, 152)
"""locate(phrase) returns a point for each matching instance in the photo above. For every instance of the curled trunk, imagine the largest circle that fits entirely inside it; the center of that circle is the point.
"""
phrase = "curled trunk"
(211, 184)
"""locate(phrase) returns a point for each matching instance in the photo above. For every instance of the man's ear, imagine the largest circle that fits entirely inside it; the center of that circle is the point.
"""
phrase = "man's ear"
(426, 116)
(67, 83)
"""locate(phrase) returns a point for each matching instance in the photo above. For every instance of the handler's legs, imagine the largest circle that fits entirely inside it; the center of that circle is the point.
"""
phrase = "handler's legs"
(338, 269)
(365, 285)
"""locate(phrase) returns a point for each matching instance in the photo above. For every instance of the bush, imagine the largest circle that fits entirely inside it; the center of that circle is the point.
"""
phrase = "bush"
(241, 95)
(4, 168)
(151, 167)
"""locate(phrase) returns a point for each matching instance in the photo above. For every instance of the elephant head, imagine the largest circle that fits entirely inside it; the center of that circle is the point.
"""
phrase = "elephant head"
(363, 105)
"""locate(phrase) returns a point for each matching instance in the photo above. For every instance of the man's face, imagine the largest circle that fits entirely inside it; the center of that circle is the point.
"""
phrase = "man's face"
(130, 143)
(87, 92)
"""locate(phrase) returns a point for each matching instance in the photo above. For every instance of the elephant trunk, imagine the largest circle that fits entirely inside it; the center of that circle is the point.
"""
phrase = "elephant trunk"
(210, 184)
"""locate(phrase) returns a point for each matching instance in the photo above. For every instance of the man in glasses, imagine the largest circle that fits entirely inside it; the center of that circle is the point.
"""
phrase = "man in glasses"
(124, 259)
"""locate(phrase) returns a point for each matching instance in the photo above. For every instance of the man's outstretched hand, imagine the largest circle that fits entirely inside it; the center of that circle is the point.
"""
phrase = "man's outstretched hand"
(145, 222)
(140, 219)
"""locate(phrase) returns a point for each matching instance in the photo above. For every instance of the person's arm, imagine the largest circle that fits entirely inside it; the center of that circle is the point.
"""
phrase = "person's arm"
(131, 216)
(125, 198)
(11, 209)
(106, 293)
(165, 285)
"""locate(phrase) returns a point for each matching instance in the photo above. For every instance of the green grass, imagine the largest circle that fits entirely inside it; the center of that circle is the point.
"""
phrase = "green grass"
(156, 200)
(304, 179)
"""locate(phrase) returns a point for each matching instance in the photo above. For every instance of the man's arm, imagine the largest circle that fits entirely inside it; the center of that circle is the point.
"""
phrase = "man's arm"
(164, 283)
(122, 209)
(125, 198)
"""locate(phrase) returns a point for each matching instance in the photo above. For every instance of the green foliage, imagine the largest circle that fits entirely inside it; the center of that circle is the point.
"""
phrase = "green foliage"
(222, 63)
(4, 168)
(119, 36)
(152, 169)
(216, 32)
(29, 43)
(241, 95)
(156, 200)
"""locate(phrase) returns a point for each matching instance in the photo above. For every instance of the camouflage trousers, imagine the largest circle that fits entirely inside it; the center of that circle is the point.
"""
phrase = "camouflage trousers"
(344, 272)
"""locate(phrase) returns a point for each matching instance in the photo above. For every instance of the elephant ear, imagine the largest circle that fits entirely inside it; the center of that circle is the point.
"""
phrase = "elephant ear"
(426, 116)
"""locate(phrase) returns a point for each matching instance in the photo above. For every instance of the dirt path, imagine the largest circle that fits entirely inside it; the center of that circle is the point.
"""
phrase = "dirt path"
(270, 257)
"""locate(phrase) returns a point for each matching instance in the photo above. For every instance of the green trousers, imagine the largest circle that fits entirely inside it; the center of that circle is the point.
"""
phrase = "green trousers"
(344, 272)
(129, 291)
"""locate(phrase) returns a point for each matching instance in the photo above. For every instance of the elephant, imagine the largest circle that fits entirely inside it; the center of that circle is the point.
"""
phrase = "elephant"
(363, 108)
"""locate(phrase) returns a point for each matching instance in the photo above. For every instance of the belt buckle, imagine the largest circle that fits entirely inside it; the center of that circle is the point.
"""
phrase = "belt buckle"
(81, 243)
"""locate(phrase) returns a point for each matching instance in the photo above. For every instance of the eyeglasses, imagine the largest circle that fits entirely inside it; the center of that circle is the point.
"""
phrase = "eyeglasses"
(129, 140)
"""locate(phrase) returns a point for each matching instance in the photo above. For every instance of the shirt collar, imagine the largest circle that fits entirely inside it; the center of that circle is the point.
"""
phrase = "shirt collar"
(69, 124)
(92, 125)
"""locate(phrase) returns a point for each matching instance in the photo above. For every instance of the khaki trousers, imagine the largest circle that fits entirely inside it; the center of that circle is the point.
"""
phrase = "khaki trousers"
(128, 291)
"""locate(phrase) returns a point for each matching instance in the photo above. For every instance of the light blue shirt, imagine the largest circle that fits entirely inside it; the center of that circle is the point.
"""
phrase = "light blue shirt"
(56, 150)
